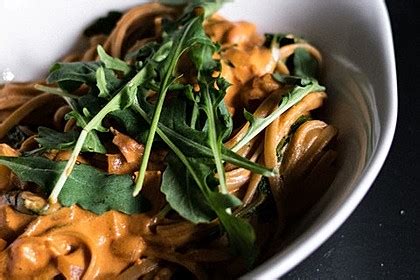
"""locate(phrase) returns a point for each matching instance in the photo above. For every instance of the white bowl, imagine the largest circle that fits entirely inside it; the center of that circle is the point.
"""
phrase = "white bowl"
(355, 38)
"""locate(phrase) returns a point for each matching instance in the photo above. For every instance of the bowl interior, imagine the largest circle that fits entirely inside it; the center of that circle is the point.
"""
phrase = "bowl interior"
(354, 37)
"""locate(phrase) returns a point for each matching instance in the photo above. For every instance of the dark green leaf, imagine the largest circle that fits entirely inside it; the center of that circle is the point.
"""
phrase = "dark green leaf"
(257, 124)
(113, 63)
(182, 192)
(86, 186)
(241, 234)
(128, 121)
(292, 80)
(101, 83)
(193, 143)
(92, 143)
(71, 76)
(305, 65)
(51, 139)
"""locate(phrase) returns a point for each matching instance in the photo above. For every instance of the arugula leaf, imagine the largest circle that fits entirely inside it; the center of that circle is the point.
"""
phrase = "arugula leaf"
(180, 184)
(113, 62)
(183, 39)
(70, 76)
(192, 142)
(92, 142)
(122, 100)
(56, 91)
(183, 194)
(241, 234)
(128, 121)
(101, 83)
(86, 186)
(51, 139)
(184, 198)
(215, 133)
(304, 64)
(292, 80)
(259, 124)
(191, 188)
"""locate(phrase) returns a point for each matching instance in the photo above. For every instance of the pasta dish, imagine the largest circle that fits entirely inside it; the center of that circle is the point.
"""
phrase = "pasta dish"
(178, 144)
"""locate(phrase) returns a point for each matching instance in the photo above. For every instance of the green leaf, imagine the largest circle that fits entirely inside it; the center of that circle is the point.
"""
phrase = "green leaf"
(51, 139)
(101, 83)
(166, 70)
(113, 63)
(183, 194)
(128, 121)
(196, 201)
(56, 91)
(294, 96)
(192, 142)
(71, 76)
(92, 143)
(292, 80)
(86, 186)
(240, 233)
(305, 65)
(163, 51)
(122, 100)
(187, 190)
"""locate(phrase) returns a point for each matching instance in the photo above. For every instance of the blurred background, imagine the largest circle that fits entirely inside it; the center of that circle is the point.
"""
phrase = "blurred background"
(381, 239)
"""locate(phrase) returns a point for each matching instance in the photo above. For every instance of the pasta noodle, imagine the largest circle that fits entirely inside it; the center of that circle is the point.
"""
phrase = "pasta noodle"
(73, 243)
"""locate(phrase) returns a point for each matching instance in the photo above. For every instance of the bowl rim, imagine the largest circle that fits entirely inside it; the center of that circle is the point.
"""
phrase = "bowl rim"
(309, 241)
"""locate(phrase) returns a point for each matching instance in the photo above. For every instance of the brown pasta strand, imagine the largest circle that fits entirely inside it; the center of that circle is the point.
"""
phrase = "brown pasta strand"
(24, 111)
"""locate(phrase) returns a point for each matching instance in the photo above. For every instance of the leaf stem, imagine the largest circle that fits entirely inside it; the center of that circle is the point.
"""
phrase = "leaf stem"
(217, 154)
(95, 123)
(228, 157)
(289, 100)
(173, 147)
(149, 142)
(178, 49)
(68, 168)
(55, 91)
(194, 116)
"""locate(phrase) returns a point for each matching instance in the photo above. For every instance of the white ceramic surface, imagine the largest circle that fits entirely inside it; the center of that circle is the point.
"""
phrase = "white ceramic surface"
(355, 38)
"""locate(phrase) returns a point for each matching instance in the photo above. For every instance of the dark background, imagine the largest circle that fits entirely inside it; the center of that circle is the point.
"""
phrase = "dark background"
(381, 239)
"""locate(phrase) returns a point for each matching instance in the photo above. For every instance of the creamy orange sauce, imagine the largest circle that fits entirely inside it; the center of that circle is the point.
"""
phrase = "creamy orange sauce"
(75, 243)
(243, 57)
(6, 150)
